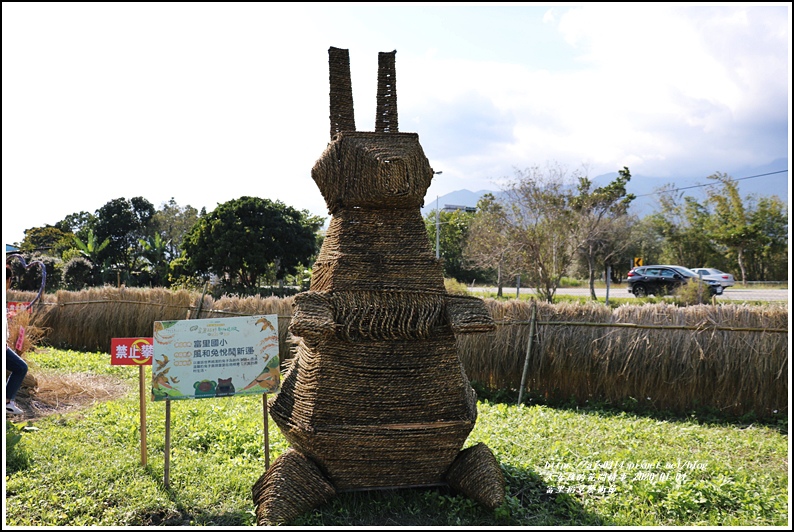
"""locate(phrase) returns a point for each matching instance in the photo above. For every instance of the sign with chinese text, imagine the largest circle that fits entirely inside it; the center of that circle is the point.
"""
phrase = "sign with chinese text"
(12, 307)
(215, 357)
(131, 351)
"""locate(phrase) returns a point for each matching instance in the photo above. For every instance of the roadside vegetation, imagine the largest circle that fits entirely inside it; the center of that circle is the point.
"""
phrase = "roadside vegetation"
(551, 227)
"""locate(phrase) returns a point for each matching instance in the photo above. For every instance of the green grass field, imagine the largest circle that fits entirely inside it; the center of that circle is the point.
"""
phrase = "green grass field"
(563, 466)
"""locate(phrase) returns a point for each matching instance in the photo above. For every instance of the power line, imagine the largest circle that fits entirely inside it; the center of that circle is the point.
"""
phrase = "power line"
(707, 184)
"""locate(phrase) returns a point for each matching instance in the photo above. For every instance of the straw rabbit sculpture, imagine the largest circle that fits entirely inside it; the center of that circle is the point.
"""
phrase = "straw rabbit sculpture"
(375, 396)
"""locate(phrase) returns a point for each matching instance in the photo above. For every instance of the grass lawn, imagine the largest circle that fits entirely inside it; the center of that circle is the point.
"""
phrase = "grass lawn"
(563, 466)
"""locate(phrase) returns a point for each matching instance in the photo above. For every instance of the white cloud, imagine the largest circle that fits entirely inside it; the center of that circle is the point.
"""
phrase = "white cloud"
(209, 102)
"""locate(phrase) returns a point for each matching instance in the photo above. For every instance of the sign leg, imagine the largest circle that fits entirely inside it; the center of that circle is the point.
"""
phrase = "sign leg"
(142, 393)
(167, 468)
(267, 436)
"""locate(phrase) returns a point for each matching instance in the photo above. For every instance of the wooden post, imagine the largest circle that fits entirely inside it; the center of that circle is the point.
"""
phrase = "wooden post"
(267, 435)
(200, 303)
(142, 387)
(167, 468)
(609, 278)
(529, 349)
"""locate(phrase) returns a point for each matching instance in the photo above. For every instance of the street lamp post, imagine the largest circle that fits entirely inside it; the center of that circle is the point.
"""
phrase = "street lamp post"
(438, 224)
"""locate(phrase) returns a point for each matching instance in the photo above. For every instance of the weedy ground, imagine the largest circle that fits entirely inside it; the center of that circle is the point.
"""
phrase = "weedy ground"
(75, 460)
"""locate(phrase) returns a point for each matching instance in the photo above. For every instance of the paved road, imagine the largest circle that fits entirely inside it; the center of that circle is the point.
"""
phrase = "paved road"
(730, 294)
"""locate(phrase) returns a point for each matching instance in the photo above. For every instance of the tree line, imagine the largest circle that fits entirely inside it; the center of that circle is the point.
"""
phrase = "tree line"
(240, 246)
(543, 226)
(546, 225)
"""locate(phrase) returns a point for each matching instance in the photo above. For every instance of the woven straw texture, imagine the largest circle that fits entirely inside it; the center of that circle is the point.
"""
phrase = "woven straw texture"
(391, 171)
(386, 116)
(292, 485)
(376, 396)
(477, 474)
(341, 95)
(377, 250)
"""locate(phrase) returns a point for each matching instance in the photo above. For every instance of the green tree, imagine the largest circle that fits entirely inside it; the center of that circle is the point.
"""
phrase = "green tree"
(645, 242)
(730, 222)
(91, 249)
(684, 226)
(542, 226)
(48, 239)
(769, 222)
(453, 232)
(487, 244)
(77, 223)
(249, 239)
(601, 221)
(173, 222)
(124, 222)
(154, 251)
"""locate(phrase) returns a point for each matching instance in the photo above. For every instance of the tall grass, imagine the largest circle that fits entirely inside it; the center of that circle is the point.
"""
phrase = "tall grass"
(734, 371)
(738, 372)
(87, 320)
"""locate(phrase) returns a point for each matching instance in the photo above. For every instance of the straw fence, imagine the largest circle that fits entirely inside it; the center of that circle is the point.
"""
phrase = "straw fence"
(731, 357)
(87, 320)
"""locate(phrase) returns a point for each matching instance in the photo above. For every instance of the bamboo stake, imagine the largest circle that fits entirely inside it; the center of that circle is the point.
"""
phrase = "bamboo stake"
(526, 358)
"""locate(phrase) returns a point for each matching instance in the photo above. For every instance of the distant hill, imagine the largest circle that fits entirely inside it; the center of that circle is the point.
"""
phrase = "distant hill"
(765, 184)
(645, 187)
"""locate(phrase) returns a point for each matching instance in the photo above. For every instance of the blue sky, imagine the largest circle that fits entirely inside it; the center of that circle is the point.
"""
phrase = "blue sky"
(207, 102)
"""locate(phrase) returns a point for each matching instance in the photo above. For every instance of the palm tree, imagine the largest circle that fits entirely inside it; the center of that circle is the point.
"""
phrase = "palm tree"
(155, 252)
(91, 250)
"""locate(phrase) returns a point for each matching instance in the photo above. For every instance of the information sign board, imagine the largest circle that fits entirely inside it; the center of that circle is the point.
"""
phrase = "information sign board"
(215, 357)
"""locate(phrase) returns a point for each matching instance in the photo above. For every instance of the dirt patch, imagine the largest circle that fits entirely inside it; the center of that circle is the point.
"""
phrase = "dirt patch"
(58, 393)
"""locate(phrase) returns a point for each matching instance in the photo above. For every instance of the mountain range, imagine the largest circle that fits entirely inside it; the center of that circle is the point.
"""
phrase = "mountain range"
(767, 180)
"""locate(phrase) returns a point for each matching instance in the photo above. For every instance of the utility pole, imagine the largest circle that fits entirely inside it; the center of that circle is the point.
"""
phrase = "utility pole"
(438, 227)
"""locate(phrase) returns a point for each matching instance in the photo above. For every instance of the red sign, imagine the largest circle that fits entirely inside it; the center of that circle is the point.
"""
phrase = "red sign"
(12, 307)
(131, 351)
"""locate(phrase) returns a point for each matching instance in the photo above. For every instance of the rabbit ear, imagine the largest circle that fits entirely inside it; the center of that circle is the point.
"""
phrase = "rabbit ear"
(386, 113)
(342, 117)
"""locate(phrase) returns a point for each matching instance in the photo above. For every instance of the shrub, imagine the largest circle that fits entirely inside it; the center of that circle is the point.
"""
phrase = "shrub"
(455, 287)
(29, 279)
(16, 457)
(78, 273)
(692, 293)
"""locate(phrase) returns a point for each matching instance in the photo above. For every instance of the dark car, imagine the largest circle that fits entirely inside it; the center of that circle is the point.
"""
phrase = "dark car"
(662, 279)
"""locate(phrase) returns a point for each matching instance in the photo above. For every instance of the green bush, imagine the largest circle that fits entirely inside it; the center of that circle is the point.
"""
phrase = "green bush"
(16, 457)
(455, 287)
(78, 273)
(692, 293)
